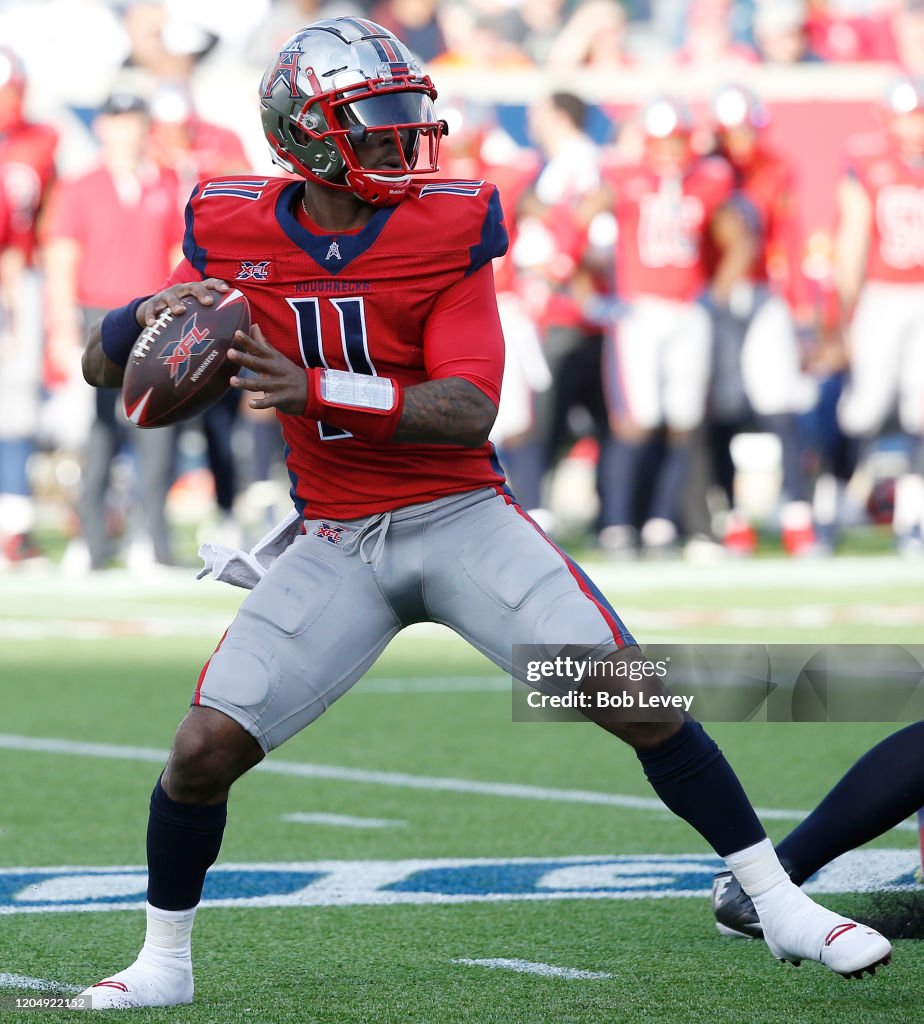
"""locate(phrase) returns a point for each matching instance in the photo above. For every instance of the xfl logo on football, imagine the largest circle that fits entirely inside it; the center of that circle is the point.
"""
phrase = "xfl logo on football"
(178, 355)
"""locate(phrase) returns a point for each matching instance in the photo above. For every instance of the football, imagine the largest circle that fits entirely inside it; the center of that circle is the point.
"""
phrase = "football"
(179, 365)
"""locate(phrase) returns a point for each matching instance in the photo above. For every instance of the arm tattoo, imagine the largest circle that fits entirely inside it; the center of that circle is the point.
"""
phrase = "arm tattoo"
(448, 411)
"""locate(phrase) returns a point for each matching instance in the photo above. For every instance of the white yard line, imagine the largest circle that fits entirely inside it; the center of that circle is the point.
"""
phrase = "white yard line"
(398, 780)
(528, 967)
(340, 820)
(435, 684)
(35, 984)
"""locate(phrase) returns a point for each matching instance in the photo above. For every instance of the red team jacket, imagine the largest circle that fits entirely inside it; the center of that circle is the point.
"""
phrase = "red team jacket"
(409, 296)
(27, 168)
(896, 191)
(663, 246)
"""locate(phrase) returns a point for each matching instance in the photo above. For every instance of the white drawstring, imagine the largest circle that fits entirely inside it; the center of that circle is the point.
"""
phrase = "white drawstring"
(376, 527)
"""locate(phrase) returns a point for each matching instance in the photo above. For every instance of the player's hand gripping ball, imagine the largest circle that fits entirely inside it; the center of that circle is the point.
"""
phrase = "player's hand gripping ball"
(179, 365)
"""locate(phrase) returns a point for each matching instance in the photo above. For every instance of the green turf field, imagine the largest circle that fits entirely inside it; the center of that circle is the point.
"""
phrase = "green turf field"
(415, 828)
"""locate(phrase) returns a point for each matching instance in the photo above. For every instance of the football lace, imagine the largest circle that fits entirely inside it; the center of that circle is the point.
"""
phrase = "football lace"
(148, 335)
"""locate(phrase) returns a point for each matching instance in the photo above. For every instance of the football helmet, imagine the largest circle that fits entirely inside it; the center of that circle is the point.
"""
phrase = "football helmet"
(904, 95)
(337, 84)
(903, 115)
(12, 70)
(665, 116)
(667, 127)
(735, 106)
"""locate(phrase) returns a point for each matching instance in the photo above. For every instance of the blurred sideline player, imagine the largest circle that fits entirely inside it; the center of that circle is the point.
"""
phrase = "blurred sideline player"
(384, 369)
(879, 263)
(27, 168)
(194, 149)
(756, 360)
(475, 147)
(880, 791)
(109, 233)
(546, 254)
(678, 242)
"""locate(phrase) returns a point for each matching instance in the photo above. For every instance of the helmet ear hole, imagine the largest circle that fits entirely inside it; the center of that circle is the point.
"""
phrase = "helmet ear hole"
(301, 137)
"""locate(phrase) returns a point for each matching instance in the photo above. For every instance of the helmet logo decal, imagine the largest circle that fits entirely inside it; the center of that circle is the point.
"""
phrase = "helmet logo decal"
(283, 72)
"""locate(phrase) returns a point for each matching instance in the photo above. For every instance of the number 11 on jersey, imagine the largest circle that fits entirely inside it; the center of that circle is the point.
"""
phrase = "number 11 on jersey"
(354, 345)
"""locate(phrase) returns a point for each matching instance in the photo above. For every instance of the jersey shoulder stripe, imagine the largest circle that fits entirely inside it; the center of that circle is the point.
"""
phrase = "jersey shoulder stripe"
(240, 188)
(454, 215)
(232, 216)
(451, 188)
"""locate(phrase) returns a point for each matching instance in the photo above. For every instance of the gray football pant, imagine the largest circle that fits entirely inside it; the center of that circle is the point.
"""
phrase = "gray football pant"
(329, 605)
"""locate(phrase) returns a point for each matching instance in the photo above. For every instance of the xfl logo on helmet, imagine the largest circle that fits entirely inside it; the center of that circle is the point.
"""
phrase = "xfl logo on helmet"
(253, 271)
(178, 355)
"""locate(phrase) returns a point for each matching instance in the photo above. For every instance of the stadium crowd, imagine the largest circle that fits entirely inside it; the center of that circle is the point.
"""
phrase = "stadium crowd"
(711, 312)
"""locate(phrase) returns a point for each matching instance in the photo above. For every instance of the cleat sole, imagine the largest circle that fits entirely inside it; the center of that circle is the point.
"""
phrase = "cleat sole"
(870, 969)
(732, 933)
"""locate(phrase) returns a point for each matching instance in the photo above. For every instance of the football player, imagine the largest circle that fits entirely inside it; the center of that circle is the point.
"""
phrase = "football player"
(27, 168)
(110, 232)
(476, 147)
(192, 148)
(677, 241)
(879, 792)
(756, 364)
(380, 349)
(879, 255)
(546, 255)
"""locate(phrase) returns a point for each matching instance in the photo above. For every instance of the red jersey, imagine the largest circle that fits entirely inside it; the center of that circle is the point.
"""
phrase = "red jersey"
(896, 191)
(410, 296)
(663, 248)
(27, 168)
(127, 236)
(766, 184)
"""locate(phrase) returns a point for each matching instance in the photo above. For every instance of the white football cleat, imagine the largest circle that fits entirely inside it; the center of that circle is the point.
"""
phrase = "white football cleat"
(138, 986)
(800, 930)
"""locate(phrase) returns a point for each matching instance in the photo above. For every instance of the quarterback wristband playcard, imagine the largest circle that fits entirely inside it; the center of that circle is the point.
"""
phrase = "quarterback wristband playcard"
(357, 391)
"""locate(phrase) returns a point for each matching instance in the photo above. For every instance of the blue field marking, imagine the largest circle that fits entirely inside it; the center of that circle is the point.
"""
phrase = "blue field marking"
(393, 882)
(617, 877)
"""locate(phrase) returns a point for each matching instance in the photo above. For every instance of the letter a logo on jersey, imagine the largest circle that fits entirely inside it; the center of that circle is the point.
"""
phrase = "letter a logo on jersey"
(333, 253)
(284, 72)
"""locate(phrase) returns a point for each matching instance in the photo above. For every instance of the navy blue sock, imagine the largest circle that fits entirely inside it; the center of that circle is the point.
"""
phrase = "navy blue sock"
(882, 789)
(786, 428)
(620, 462)
(183, 843)
(668, 493)
(690, 774)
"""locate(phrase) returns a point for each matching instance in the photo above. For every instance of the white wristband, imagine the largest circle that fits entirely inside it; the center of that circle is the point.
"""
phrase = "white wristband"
(357, 390)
